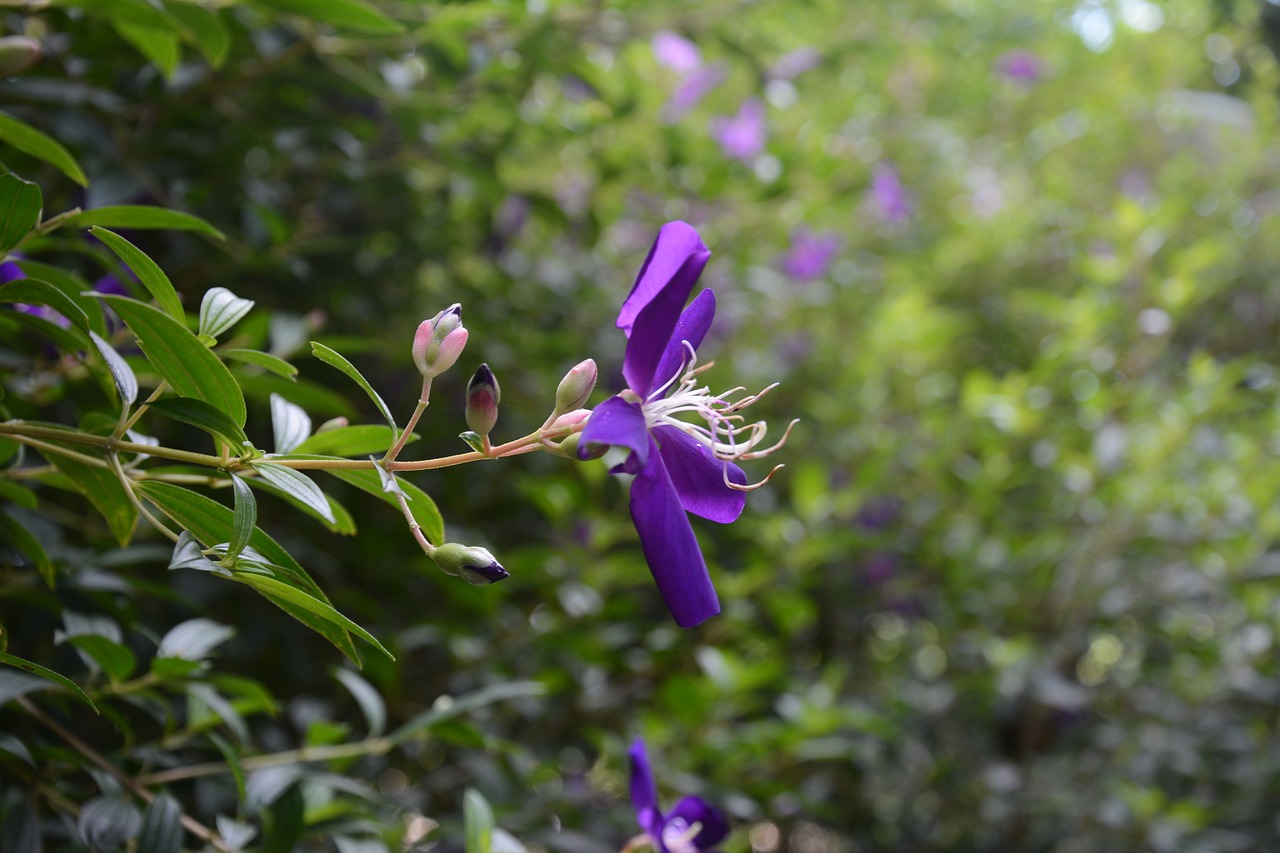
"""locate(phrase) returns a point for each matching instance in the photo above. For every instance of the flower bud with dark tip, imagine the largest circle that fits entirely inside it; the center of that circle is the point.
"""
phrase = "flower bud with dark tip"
(439, 341)
(483, 396)
(474, 565)
(577, 385)
(17, 54)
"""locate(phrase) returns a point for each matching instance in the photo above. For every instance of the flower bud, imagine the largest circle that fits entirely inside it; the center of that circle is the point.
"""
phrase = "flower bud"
(569, 449)
(577, 385)
(472, 564)
(439, 341)
(483, 396)
(17, 54)
(332, 424)
(569, 419)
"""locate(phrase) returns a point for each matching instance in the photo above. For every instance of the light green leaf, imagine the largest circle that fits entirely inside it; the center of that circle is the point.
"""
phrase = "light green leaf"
(151, 276)
(161, 826)
(160, 47)
(180, 358)
(44, 672)
(200, 414)
(347, 14)
(28, 140)
(477, 818)
(244, 519)
(220, 310)
(121, 372)
(265, 360)
(203, 28)
(115, 659)
(320, 608)
(334, 359)
(21, 538)
(350, 441)
(140, 216)
(290, 424)
(33, 291)
(20, 203)
(297, 485)
(420, 503)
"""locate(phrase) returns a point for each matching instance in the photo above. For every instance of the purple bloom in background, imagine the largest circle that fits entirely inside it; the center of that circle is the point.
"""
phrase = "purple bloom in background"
(680, 467)
(693, 88)
(810, 255)
(889, 195)
(9, 271)
(676, 52)
(795, 63)
(1022, 66)
(691, 827)
(742, 136)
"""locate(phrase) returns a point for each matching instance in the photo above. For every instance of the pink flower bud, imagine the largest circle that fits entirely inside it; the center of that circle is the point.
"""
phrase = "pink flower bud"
(439, 341)
(577, 385)
(570, 418)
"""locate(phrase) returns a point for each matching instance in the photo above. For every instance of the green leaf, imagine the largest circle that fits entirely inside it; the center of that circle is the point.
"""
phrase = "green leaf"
(314, 397)
(20, 495)
(104, 491)
(290, 424)
(420, 503)
(180, 358)
(297, 485)
(142, 216)
(67, 340)
(478, 699)
(160, 47)
(187, 554)
(28, 140)
(22, 539)
(220, 310)
(347, 14)
(20, 203)
(115, 659)
(161, 826)
(130, 11)
(200, 414)
(203, 28)
(320, 608)
(232, 758)
(15, 747)
(107, 822)
(73, 286)
(33, 291)
(44, 672)
(477, 818)
(244, 519)
(121, 372)
(194, 639)
(283, 829)
(265, 360)
(334, 359)
(351, 441)
(367, 697)
(473, 440)
(151, 276)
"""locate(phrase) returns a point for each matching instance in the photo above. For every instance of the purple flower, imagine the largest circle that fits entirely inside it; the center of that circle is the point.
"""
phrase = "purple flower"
(9, 271)
(676, 52)
(795, 63)
(692, 89)
(1022, 66)
(692, 826)
(742, 136)
(889, 195)
(679, 466)
(810, 254)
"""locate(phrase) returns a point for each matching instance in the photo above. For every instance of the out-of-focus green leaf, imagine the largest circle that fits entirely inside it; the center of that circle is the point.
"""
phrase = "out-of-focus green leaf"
(198, 413)
(20, 203)
(160, 47)
(367, 697)
(147, 271)
(72, 286)
(335, 359)
(21, 538)
(107, 822)
(115, 659)
(204, 28)
(445, 710)
(44, 672)
(13, 746)
(347, 14)
(265, 360)
(104, 491)
(421, 505)
(33, 291)
(478, 822)
(140, 216)
(285, 822)
(180, 358)
(161, 826)
(220, 309)
(31, 141)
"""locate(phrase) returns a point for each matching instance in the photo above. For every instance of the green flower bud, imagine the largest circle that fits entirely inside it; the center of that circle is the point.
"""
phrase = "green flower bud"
(474, 565)
(17, 54)
(569, 449)
(577, 385)
(483, 396)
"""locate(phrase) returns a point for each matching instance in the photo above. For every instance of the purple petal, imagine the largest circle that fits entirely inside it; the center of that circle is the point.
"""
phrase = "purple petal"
(692, 89)
(742, 136)
(619, 423)
(698, 477)
(651, 310)
(670, 547)
(676, 52)
(644, 792)
(693, 325)
(9, 271)
(693, 810)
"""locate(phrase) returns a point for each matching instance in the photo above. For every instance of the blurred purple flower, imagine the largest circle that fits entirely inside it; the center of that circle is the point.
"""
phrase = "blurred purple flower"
(742, 136)
(810, 255)
(691, 827)
(795, 63)
(692, 89)
(888, 194)
(1021, 66)
(9, 271)
(108, 284)
(676, 52)
(878, 567)
(879, 513)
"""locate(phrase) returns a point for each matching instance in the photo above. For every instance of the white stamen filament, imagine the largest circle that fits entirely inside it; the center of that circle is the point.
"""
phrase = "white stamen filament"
(678, 836)
(724, 431)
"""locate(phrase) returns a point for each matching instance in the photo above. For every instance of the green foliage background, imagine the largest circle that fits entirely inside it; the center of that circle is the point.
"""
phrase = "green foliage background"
(1015, 590)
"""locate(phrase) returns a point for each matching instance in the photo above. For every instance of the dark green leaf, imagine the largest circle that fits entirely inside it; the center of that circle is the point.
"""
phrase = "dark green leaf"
(244, 519)
(44, 672)
(220, 310)
(31, 141)
(284, 824)
(203, 28)
(33, 291)
(420, 503)
(232, 757)
(180, 358)
(161, 826)
(198, 413)
(147, 271)
(265, 360)
(126, 382)
(320, 608)
(20, 203)
(477, 818)
(67, 340)
(347, 14)
(21, 538)
(115, 659)
(350, 441)
(106, 823)
(19, 827)
(140, 216)
(335, 359)
(104, 491)
(367, 697)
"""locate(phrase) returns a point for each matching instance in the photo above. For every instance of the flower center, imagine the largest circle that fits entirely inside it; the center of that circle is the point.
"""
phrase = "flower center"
(723, 429)
(678, 835)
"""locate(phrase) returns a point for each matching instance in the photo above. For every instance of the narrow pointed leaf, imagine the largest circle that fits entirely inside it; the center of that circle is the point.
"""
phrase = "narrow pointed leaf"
(421, 505)
(20, 203)
(159, 46)
(232, 758)
(203, 28)
(335, 359)
(28, 140)
(387, 479)
(115, 659)
(265, 360)
(177, 355)
(141, 217)
(290, 424)
(477, 819)
(44, 672)
(297, 485)
(161, 826)
(200, 414)
(187, 554)
(18, 536)
(121, 372)
(320, 608)
(194, 639)
(346, 14)
(358, 440)
(367, 697)
(245, 517)
(147, 271)
(73, 286)
(220, 310)
(33, 291)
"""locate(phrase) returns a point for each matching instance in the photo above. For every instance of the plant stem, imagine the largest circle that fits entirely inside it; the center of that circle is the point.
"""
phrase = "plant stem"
(369, 746)
(127, 483)
(408, 430)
